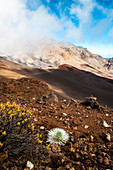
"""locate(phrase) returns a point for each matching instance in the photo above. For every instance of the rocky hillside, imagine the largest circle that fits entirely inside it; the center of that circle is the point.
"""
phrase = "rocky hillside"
(65, 80)
(51, 54)
(29, 110)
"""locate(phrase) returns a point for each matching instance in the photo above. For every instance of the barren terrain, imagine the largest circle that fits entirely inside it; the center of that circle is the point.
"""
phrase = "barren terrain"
(29, 108)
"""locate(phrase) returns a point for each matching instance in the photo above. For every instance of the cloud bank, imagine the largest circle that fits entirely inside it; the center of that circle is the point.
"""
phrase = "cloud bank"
(22, 28)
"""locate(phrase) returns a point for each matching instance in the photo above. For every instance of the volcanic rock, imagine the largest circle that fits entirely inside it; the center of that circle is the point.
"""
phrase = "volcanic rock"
(92, 102)
(53, 97)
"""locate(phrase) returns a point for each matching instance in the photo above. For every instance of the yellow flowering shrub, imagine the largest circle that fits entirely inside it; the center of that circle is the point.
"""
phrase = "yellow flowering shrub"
(19, 133)
(14, 121)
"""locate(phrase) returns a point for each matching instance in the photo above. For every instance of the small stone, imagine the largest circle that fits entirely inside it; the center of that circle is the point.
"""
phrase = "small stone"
(77, 156)
(75, 128)
(62, 107)
(65, 114)
(91, 138)
(83, 168)
(45, 96)
(29, 165)
(88, 108)
(40, 100)
(77, 163)
(64, 100)
(106, 136)
(71, 133)
(73, 100)
(105, 124)
(72, 168)
(53, 96)
(86, 126)
(103, 154)
(72, 149)
(93, 155)
(72, 139)
(69, 166)
(67, 119)
(42, 127)
(48, 168)
(35, 119)
(106, 161)
(55, 148)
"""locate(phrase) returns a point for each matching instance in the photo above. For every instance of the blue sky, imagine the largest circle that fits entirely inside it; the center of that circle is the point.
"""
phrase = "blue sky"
(87, 23)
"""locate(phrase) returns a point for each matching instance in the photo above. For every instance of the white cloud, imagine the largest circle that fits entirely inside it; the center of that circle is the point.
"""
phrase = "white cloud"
(83, 10)
(73, 32)
(21, 29)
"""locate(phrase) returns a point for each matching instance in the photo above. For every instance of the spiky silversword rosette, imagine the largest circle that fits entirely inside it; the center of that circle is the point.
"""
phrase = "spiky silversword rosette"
(58, 136)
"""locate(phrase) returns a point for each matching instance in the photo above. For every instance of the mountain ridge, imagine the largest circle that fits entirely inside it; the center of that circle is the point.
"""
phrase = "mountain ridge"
(53, 53)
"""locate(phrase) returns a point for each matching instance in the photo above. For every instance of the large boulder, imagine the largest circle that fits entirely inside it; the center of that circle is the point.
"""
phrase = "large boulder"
(92, 102)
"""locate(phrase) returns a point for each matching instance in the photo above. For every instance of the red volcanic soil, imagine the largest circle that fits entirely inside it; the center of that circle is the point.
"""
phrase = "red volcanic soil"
(69, 68)
(23, 133)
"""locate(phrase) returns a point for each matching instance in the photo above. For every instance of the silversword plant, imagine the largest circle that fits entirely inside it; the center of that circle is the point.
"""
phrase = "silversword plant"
(58, 136)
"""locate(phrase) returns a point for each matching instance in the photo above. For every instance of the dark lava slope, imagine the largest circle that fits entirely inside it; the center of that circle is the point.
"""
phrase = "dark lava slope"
(74, 83)
(78, 84)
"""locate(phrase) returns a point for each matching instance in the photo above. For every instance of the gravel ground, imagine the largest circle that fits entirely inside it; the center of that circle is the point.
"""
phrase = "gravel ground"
(89, 125)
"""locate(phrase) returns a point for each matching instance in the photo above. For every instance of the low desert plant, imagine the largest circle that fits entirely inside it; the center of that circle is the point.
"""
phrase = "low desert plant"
(58, 136)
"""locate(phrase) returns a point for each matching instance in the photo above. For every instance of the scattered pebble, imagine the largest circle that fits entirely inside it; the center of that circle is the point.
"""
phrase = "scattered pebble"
(55, 148)
(91, 138)
(42, 127)
(64, 101)
(105, 124)
(84, 150)
(86, 126)
(71, 133)
(65, 114)
(29, 165)
(108, 137)
(67, 119)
